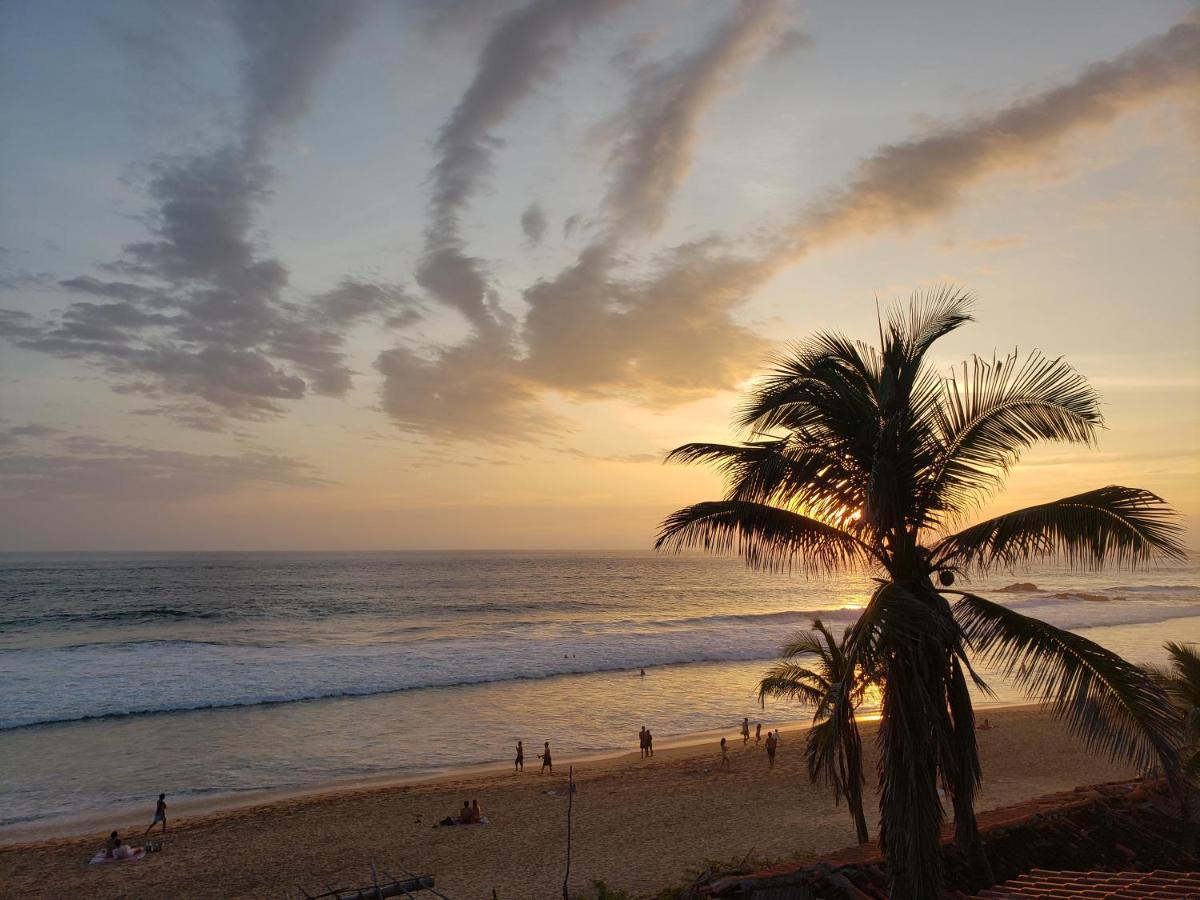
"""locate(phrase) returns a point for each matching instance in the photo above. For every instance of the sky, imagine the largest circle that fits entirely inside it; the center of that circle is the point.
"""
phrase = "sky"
(293, 274)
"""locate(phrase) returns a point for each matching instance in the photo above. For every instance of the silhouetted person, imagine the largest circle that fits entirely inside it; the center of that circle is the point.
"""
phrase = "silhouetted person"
(772, 743)
(724, 756)
(160, 814)
(745, 731)
(519, 762)
(546, 761)
(649, 743)
(758, 733)
(642, 741)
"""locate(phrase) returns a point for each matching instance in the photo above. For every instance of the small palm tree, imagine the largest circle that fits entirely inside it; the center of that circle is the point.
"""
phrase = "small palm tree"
(1181, 681)
(813, 686)
(861, 458)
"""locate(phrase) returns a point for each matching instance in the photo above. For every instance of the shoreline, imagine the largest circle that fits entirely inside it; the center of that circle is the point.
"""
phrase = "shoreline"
(203, 807)
(640, 825)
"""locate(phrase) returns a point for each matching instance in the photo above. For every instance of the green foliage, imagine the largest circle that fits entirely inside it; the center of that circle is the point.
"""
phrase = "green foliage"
(859, 457)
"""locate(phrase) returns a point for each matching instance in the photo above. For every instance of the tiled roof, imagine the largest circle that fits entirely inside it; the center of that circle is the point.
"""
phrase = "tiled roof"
(1097, 885)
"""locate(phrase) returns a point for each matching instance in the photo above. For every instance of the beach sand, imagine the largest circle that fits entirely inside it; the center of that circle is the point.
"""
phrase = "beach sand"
(640, 825)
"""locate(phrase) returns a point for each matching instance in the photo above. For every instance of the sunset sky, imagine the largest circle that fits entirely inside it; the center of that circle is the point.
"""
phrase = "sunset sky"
(378, 275)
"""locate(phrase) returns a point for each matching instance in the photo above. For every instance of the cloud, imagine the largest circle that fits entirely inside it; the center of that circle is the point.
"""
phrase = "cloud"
(82, 466)
(521, 53)
(906, 183)
(533, 223)
(470, 391)
(658, 128)
(201, 316)
(587, 332)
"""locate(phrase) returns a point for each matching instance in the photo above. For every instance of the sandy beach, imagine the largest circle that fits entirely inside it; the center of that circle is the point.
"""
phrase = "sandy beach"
(639, 825)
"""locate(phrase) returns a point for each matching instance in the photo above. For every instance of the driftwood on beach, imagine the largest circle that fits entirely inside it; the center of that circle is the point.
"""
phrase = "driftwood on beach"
(378, 890)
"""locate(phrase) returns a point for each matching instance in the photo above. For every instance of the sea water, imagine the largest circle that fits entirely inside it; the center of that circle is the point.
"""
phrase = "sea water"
(213, 674)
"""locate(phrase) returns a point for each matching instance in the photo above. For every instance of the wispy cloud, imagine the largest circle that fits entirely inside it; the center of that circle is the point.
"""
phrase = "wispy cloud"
(84, 466)
(199, 316)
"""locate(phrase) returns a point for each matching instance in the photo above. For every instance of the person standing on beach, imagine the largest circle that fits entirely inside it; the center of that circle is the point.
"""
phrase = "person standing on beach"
(649, 743)
(758, 733)
(771, 744)
(160, 814)
(724, 756)
(746, 731)
(546, 762)
(519, 762)
(642, 741)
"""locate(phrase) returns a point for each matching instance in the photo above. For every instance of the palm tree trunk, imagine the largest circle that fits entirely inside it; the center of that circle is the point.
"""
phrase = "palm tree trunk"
(852, 748)
(963, 773)
(910, 812)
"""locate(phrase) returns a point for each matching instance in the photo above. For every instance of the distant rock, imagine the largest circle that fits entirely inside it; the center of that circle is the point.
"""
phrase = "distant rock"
(1020, 587)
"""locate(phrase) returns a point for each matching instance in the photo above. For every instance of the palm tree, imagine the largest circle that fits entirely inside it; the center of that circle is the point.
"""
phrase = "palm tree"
(861, 458)
(1181, 681)
(811, 686)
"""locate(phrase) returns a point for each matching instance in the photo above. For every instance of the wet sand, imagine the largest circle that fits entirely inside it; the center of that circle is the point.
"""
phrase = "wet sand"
(639, 825)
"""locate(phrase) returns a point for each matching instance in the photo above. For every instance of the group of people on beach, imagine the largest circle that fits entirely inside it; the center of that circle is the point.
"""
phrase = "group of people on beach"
(772, 744)
(116, 848)
(646, 740)
(470, 814)
(544, 756)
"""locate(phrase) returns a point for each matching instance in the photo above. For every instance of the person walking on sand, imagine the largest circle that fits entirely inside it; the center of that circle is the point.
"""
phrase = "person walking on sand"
(758, 733)
(546, 761)
(724, 756)
(745, 731)
(160, 814)
(519, 762)
(772, 743)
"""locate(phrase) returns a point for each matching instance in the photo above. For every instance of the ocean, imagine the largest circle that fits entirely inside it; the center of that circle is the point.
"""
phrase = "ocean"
(210, 675)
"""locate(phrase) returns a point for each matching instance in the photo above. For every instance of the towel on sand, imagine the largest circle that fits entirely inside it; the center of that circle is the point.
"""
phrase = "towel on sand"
(101, 859)
(446, 823)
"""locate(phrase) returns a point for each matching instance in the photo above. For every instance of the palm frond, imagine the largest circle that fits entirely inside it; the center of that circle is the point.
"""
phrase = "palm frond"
(766, 537)
(991, 412)
(1125, 526)
(782, 472)
(788, 681)
(1113, 705)
(928, 317)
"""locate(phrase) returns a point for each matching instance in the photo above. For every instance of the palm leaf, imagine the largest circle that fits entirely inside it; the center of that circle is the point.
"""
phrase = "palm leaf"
(1110, 525)
(788, 681)
(781, 473)
(1113, 705)
(993, 411)
(766, 537)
